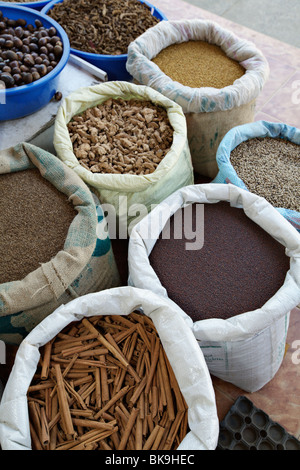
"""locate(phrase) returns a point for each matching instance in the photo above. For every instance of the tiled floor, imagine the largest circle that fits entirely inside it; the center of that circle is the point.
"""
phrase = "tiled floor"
(279, 101)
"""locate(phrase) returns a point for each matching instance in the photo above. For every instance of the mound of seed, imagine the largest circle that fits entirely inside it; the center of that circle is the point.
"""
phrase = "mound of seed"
(34, 222)
(121, 136)
(198, 64)
(270, 167)
(238, 269)
(27, 52)
(103, 27)
(20, 1)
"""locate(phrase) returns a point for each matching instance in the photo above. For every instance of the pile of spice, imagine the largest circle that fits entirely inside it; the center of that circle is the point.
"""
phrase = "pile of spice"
(198, 64)
(103, 27)
(270, 167)
(105, 383)
(34, 222)
(27, 52)
(238, 269)
(121, 136)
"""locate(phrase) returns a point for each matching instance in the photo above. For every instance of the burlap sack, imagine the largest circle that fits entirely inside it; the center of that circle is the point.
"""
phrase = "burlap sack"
(86, 264)
(210, 112)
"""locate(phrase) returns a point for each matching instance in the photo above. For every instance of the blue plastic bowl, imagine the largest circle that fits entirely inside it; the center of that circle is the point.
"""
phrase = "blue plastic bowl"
(113, 65)
(39, 5)
(27, 99)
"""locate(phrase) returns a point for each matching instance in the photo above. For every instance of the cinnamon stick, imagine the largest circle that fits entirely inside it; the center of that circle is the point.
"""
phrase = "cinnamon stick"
(106, 383)
(128, 428)
(63, 403)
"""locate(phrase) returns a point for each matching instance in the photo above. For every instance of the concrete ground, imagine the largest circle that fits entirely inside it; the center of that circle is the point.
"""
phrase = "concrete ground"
(279, 19)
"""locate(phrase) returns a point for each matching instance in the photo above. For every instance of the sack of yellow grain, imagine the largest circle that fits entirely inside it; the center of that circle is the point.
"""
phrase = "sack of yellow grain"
(213, 74)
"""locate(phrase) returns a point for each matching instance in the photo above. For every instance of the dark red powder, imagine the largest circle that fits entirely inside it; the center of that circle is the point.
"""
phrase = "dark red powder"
(239, 268)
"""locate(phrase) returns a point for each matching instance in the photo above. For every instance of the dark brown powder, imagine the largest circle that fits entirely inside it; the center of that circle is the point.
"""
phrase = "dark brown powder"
(239, 268)
(34, 222)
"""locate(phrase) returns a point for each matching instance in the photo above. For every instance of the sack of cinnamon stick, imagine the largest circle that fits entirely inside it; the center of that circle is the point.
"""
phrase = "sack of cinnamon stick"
(115, 370)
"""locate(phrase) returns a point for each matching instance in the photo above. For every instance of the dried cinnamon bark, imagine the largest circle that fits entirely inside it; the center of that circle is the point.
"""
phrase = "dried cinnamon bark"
(123, 395)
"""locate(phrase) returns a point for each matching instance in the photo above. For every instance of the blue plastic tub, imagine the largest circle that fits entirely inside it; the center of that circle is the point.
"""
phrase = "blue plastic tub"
(39, 5)
(27, 99)
(113, 65)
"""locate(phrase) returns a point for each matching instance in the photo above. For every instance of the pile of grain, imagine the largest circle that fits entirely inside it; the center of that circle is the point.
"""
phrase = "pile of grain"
(270, 167)
(198, 64)
(34, 222)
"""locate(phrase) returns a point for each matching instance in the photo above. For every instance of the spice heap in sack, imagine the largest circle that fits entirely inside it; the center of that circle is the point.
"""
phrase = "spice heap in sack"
(224, 277)
(121, 136)
(270, 167)
(201, 65)
(105, 27)
(264, 158)
(19, 1)
(105, 383)
(53, 241)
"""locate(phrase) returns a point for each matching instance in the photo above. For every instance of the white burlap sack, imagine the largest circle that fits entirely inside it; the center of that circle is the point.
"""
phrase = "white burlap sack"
(210, 112)
(125, 192)
(178, 341)
(246, 349)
